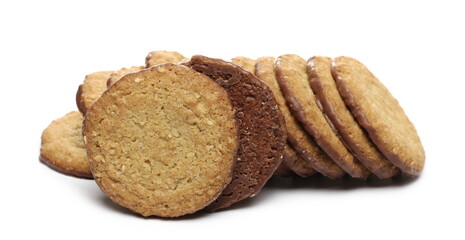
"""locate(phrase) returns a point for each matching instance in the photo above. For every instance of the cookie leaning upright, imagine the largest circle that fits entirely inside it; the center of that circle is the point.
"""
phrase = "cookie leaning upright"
(162, 141)
(328, 97)
(261, 128)
(159, 57)
(62, 148)
(293, 80)
(380, 114)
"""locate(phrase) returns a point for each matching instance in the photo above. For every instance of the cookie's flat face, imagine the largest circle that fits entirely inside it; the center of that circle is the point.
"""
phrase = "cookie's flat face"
(117, 75)
(325, 89)
(261, 128)
(62, 148)
(379, 113)
(162, 141)
(294, 82)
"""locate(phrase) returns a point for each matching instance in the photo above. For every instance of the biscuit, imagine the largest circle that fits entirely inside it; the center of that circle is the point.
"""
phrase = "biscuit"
(246, 63)
(159, 57)
(296, 135)
(62, 148)
(91, 89)
(380, 114)
(117, 75)
(261, 128)
(294, 83)
(327, 96)
(162, 141)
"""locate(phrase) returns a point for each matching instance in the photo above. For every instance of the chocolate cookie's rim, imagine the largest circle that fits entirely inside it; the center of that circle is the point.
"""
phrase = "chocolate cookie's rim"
(337, 125)
(233, 77)
(364, 123)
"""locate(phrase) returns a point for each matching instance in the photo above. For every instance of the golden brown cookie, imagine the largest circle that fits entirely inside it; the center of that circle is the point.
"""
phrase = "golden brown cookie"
(327, 96)
(62, 148)
(297, 137)
(294, 83)
(117, 75)
(162, 141)
(379, 113)
(91, 89)
(160, 57)
(245, 63)
(262, 133)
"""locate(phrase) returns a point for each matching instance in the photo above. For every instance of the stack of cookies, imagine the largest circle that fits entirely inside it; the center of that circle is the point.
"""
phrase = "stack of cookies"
(179, 135)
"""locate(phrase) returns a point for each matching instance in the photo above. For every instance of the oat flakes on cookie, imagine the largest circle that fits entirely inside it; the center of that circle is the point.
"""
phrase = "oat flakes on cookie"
(380, 114)
(162, 141)
(62, 148)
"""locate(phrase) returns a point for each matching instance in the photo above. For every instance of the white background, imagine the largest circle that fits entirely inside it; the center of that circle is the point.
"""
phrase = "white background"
(415, 48)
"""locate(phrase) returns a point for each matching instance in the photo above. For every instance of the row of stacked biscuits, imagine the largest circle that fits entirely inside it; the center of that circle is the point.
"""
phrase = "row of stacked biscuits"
(169, 139)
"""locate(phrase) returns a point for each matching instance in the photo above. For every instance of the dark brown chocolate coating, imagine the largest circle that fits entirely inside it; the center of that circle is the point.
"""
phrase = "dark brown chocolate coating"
(262, 133)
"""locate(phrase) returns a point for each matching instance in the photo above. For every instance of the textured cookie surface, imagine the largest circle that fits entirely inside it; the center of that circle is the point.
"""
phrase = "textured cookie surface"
(160, 57)
(62, 148)
(297, 136)
(325, 89)
(117, 75)
(162, 141)
(379, 113)
(294, 83)
(91, 89)
(261, 128)
(264, 70)
(245, 63)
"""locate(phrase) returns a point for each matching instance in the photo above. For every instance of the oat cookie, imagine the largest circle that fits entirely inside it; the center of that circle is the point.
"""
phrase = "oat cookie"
(325, 89)
(379, 113)
(294, 83)
(62, 148)
(162, 141)
(117, 75)
(159, 57)
(261, 128)
(245, 63)
(297, 137)
(91, 89)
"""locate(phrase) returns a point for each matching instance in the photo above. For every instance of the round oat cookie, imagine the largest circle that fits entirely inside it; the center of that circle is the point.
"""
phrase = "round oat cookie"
(325, 89)
(62, 148)
(310, 154)
(91, 89)
(294, 83)
(246, 63)
(379, 113)
(261, 128)
(162, 141)
(117, 75)
(159, 57)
